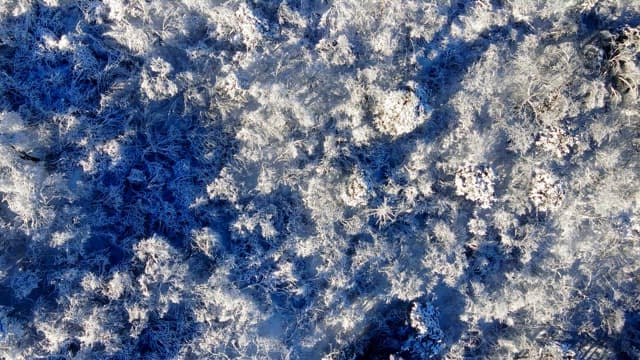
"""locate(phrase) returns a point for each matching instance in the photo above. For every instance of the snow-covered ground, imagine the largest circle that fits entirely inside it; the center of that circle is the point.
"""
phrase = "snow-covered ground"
(301, 179)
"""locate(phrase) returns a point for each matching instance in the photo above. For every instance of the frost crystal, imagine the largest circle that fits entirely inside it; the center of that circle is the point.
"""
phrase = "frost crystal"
(475, 184)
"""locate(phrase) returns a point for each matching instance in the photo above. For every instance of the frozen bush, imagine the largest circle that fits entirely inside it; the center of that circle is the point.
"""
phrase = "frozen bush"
(24, 183)
(207, 241)
(54, 338)
(223, 187)
(424, 320)
(336, 51)
(132, 38)
(228, 93)
(475, 183)
(616, 54)
(556, 141)
(238, 25)
(356, 190)
(477, 226)
(546, 194)
(288, 17)
(118, 286)
(156, 84)
(429, 340)
(384, 213)
(404, 285)
(442, 233)
(398, 112)
(162, 281)
(160, 66)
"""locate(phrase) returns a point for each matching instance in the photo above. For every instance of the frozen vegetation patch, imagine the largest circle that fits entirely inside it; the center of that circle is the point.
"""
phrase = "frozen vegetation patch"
(428, 343)
(546, 193)
(356, 190)
(476, 184)
(341, 179)
(397, 112)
